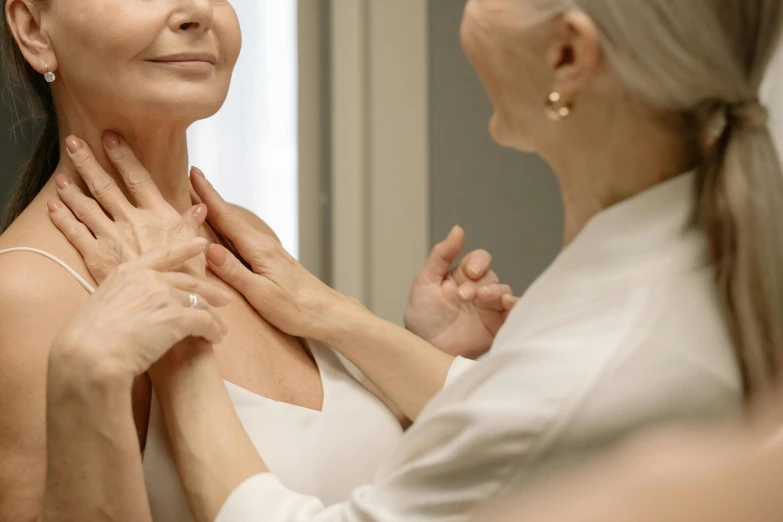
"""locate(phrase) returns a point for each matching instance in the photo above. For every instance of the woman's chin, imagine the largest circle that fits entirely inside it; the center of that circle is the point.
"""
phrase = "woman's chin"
(176, 112)
(500, 131)
(505, 136)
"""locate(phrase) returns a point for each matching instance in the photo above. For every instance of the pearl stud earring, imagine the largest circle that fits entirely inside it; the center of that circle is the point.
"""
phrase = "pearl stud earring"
(554, 112)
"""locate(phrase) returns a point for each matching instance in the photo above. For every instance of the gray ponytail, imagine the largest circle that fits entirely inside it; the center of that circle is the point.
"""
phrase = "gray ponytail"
(714, 54)
(740, 187)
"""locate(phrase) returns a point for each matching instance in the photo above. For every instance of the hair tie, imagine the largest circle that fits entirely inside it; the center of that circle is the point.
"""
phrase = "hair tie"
(716, 117)
(751, 115)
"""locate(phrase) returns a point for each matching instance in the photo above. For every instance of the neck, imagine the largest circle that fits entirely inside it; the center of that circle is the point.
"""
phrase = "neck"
(598, 170)
(162, 151)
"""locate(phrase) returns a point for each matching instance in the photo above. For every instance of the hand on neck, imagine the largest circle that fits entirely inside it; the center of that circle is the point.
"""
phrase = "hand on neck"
(161, 150)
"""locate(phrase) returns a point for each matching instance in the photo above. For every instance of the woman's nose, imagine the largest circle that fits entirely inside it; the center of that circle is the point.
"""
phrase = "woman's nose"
(192, 15)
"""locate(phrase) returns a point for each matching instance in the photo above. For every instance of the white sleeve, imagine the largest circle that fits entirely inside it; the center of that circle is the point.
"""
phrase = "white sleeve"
(263, 494)
(458, 367)
(443, 483)
(464, 449)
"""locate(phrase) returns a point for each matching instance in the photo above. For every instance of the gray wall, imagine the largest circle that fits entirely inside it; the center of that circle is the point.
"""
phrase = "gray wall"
(507, 202)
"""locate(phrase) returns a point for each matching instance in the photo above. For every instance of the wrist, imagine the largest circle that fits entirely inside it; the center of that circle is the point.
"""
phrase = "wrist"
(182, 355)
(187, 363)
(345, 318)
(76, 373)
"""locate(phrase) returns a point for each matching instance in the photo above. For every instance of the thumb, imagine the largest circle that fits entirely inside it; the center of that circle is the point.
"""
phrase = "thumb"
(228, 268)
(195, 216)
(443, 256)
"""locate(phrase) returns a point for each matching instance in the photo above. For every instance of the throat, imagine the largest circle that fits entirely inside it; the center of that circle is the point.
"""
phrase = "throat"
(161, 155)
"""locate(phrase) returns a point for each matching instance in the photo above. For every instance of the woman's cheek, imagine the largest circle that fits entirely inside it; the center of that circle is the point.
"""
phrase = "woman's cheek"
(229, 33)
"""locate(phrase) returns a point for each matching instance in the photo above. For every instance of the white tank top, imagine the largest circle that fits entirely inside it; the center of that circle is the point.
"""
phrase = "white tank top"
(326, 453)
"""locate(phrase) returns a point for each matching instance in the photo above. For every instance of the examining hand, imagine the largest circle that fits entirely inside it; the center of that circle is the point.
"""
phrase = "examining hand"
(407, 370)
(458, 310)
(278, 287)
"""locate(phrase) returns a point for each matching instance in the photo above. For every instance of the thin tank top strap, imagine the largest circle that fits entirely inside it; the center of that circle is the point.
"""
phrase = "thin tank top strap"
(87, 286)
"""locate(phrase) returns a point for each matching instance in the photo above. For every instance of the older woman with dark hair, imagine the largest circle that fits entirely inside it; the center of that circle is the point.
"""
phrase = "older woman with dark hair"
(149, 69)
(664, 304)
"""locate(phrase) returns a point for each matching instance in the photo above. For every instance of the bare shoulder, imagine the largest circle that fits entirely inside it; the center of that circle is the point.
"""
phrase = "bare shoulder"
(258, 223)
(37, 295)
(35, 302)
(36, 289)
(37, 298)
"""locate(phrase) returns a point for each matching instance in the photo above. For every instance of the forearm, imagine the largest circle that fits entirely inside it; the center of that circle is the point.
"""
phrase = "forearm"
(404, 421)
(94, 469)
(407, 369)
(211, 448)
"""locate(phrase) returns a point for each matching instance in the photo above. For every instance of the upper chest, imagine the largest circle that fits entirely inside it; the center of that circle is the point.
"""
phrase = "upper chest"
(263, 360)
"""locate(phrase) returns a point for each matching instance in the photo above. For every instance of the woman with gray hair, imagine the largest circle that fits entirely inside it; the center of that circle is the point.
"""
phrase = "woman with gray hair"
(663, 306)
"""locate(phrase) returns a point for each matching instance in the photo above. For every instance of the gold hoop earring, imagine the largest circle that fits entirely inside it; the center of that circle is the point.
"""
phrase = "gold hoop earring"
(49, 76)
(554, 112)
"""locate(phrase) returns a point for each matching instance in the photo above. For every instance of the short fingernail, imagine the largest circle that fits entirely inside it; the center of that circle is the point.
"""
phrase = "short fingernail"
(62, 181)
(198, 212)
(72, 143)
(111, 140)
(200, 241)
(225, 295)
(216, 255)
(54, 206)
(466, 293)
(197, 172)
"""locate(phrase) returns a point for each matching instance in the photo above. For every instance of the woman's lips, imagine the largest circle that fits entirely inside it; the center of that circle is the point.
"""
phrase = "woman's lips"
(187, 57)
(188, 61)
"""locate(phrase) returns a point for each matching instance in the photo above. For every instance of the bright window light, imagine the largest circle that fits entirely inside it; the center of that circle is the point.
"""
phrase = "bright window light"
(249, 149)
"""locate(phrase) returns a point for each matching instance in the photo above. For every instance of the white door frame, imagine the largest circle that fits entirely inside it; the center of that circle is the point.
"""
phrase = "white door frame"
(379, 149)
(313, 155)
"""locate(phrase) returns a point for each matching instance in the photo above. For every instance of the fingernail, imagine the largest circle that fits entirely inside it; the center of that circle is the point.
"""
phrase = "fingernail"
(72, 143)
(226, 296)
(197, 172)
(62, 181)
(54, 206)
(199, 211)
(111, 140)
(200, 241)
(216, 255)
